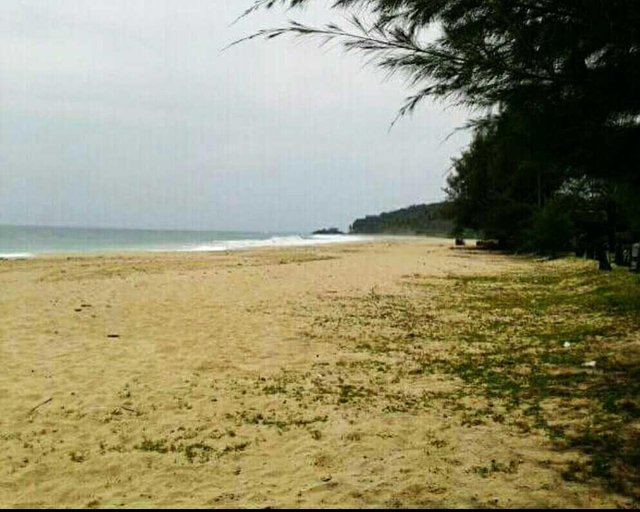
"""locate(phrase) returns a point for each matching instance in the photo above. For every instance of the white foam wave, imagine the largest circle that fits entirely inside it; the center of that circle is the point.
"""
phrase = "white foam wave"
(276, 241)
(16, 256)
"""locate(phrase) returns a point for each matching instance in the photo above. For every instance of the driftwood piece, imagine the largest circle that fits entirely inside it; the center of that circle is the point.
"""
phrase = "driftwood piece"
(40, 405)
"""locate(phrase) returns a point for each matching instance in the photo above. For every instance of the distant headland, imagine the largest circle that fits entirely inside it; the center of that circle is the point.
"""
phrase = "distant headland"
(328, 231)
(421, 219)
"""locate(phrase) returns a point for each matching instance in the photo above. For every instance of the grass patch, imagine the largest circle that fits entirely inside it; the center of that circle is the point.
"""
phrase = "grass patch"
(496, 467)
(282, 424)
(194, 451)
(518, 339)
(148, 445)
(537, 366)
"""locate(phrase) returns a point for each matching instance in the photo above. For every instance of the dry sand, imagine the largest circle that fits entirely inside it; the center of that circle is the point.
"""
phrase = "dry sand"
(208, 380)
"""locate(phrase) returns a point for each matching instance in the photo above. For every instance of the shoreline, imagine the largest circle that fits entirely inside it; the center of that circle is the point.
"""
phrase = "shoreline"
(243, 246)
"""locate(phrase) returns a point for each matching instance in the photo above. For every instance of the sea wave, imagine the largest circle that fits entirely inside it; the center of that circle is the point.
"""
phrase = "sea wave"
(26, 243)
(276, 241)
(16, 256)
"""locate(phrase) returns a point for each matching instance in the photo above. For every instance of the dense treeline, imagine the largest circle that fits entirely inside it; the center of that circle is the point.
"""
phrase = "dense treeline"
(555, 159)
(423, 219)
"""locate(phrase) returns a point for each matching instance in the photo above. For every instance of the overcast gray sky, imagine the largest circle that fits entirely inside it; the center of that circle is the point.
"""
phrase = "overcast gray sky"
(126, 113)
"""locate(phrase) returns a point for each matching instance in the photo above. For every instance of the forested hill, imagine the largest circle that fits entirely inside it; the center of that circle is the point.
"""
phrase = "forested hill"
(422, 219)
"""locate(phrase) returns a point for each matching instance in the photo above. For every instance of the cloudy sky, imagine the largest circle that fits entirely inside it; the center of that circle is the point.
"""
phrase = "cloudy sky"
(127, 113)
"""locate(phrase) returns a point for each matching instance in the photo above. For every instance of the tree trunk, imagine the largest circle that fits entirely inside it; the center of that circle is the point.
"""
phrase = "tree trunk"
(619, 254)
(603, 259)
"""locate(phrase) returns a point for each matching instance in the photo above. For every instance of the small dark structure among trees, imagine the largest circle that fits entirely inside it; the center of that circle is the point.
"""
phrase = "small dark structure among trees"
(635, 258)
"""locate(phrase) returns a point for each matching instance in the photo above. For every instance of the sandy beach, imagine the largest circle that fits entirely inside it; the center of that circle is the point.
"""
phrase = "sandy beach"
(259, 378)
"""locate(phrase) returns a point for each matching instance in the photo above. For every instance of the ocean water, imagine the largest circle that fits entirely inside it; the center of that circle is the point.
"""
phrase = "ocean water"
(30, 241)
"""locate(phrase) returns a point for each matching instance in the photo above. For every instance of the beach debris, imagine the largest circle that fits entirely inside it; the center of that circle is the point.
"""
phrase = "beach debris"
(113, 336)
(567, 344)
(589, 364)
(488, 245)
(40, 405)
(78, 457)
(326, 478)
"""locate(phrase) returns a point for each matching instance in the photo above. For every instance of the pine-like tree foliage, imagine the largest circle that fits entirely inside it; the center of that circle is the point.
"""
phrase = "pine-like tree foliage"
(490, 51)
(556, 83)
